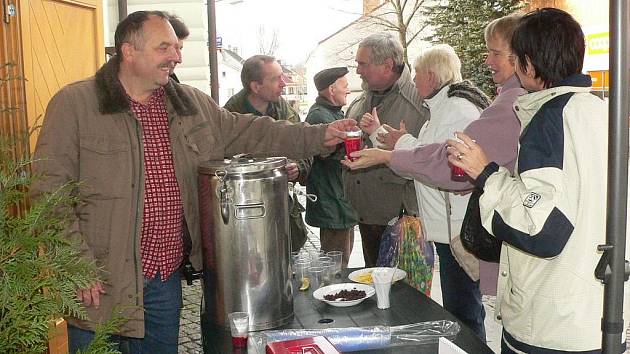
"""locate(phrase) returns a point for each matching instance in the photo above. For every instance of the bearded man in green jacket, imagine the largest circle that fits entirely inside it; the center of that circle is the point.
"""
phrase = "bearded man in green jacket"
(263, 82)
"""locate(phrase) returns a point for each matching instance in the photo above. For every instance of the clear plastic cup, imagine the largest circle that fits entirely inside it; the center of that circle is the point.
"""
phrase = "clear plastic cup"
(337, 257)
(314, 255)
(239, 327)
(328, 272)
(301, 273)
(317, 276)
(324, 259)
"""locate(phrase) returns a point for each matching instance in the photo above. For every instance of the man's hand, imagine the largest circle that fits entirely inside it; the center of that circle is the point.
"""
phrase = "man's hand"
(390, 138)
(91, 296)
(367, 158)
(370, 122)
(336, 131)
(293, 172)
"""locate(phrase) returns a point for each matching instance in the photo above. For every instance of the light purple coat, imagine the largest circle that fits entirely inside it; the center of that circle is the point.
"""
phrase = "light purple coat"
(497, 131)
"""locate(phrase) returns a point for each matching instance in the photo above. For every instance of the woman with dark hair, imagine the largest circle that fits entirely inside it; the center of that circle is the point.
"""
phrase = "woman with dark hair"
(552, 214)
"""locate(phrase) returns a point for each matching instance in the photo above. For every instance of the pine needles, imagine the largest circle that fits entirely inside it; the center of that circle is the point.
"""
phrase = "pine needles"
(40, 269)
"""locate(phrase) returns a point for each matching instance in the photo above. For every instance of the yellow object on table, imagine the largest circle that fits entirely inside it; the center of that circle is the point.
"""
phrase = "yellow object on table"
(306, 282)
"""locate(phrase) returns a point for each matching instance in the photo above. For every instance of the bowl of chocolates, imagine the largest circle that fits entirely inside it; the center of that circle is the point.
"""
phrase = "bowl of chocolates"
(343, 295)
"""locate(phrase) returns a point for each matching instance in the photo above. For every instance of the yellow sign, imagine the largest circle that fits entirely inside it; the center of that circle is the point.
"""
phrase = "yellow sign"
(597, 43)
(600, 79)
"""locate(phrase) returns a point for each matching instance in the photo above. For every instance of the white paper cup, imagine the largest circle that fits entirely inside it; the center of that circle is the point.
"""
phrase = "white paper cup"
(382, 278)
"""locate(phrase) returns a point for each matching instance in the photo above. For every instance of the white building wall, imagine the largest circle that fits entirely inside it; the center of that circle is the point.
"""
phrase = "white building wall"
(229, 81)
(340, 50)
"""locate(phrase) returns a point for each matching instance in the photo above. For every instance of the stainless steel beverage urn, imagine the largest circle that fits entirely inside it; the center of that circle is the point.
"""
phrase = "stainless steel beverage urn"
(243, 204)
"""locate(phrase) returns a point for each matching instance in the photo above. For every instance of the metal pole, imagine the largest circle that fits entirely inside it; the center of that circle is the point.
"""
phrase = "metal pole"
(212, 51)
(122, 10)
(612, 321)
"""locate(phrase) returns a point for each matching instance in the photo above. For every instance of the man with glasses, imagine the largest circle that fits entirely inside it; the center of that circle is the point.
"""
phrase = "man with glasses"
(378, 194)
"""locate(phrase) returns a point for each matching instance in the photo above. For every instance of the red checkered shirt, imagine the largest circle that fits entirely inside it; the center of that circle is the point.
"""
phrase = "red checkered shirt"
(161, 242)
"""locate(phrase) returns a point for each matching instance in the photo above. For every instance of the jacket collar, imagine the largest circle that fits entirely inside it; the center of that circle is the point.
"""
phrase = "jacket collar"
(437, 98)
(403, 86)
(463, 89)
(511, 83)
(239, 103)
(113, 99)
(322, 101)
(527, 105)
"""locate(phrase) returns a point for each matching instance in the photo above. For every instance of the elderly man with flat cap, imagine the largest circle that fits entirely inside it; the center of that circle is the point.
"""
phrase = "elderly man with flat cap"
(332, 213)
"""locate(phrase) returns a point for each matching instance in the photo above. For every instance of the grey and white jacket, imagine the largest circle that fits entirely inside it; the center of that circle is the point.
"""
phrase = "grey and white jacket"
(551, 217)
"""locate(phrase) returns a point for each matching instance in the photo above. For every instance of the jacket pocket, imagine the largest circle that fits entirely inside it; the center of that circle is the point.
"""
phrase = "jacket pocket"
(104, 166)
(199, 139)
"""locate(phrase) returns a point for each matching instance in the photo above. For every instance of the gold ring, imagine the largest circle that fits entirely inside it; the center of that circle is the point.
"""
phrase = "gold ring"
(460, 155)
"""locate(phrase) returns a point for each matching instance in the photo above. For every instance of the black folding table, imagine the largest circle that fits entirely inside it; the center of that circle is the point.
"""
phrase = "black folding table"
(407, 306)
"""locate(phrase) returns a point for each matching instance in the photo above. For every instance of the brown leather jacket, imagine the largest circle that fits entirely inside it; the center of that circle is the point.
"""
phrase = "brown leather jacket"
(90, 135)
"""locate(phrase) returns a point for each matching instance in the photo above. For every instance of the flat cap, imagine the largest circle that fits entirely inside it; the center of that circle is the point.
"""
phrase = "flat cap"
(327, 77)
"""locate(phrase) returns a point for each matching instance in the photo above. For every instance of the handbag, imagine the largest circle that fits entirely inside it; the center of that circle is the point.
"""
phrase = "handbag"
(474, 236)
(466, 260)
(403, 246)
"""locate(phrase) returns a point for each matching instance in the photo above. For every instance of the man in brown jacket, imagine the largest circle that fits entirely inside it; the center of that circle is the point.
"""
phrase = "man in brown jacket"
(134, 138)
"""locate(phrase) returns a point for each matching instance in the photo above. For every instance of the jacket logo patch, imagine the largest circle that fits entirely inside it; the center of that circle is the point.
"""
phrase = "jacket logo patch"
(531, 200)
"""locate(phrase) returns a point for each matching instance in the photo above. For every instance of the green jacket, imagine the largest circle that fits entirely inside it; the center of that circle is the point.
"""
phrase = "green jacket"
(331, 210)
(278, 111)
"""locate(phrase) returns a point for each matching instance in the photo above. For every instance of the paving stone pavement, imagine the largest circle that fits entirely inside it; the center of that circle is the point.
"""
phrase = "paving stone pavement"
(190, 322)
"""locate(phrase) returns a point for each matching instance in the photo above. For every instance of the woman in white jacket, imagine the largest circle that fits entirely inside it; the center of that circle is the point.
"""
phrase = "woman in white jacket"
(453, 104)
(551, 216)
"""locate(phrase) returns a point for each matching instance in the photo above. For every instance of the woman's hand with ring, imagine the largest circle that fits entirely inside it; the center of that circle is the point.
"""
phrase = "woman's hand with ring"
(467, 154)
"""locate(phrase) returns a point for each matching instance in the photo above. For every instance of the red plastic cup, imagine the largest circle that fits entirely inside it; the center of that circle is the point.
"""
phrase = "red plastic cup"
(457, 173)
(352, 143)
(239, 326)
(239, 342)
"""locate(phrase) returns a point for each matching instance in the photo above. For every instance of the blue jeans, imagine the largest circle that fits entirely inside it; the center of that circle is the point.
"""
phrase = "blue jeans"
(460, 295)
(162, 306)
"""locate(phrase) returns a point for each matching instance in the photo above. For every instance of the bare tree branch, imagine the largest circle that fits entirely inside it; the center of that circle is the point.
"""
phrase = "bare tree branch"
(268, 43)
(412, 38)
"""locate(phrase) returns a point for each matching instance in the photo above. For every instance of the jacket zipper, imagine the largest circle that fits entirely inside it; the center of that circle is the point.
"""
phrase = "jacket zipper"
(139, 183)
